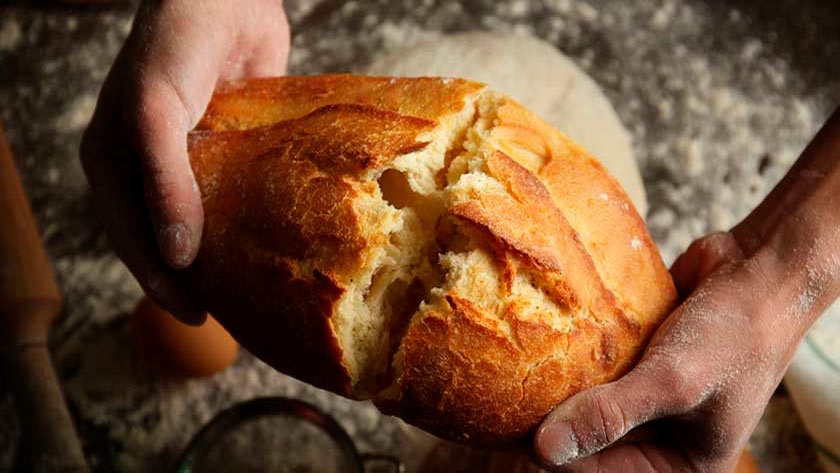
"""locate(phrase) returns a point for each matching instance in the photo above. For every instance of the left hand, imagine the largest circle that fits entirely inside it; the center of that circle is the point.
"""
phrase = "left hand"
(134, 151)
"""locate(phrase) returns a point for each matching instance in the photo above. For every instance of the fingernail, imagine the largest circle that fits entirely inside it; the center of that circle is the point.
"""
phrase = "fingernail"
(176, 245)
(556, 443)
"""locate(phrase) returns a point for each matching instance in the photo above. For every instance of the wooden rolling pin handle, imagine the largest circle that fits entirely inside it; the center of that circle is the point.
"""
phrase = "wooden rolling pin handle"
(29, 302)
(49, 442)
(25, 273)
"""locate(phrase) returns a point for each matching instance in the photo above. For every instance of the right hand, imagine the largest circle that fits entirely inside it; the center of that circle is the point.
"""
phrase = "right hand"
(134, 151)
(700, 387)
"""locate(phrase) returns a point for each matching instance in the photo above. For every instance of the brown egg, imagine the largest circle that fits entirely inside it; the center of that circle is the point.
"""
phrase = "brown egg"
(165, 345)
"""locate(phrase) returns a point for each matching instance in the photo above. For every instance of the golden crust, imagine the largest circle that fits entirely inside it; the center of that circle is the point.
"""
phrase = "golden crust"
(280, 231)
(461, 375)
(465, 380)
(283, 164)
(596, 206)
(258, 102)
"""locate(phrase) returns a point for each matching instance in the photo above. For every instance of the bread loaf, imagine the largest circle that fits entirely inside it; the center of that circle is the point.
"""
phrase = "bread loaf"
(425, 243)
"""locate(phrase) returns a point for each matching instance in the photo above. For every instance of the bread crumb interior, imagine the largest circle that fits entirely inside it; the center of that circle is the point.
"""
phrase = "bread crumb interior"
(424, 252)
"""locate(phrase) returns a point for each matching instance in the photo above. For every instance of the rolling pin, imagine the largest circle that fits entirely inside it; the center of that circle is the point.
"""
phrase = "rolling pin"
(29, 302)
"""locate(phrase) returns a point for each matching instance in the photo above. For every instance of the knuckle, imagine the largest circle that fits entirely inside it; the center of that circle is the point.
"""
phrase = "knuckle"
(159, 179)
(716, 246)
(150, 107)
(713, 241)
(160, 104)
(681, 384)
(612, 420)
(696, 246)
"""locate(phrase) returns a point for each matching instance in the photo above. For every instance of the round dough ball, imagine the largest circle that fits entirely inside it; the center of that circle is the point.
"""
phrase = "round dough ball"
(541, 78)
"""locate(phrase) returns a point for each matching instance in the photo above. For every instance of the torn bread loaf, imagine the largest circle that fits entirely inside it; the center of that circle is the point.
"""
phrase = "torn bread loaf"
(425, 243)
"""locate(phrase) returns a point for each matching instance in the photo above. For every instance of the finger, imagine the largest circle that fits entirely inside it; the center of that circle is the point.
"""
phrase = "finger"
(267, 53)
(647, 458)
(116, 194)
(629, 458)
(597, 417)
(177, 58)
(701, 258)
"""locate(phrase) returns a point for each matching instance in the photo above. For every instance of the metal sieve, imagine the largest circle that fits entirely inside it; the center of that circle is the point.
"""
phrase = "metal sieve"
(238, 416)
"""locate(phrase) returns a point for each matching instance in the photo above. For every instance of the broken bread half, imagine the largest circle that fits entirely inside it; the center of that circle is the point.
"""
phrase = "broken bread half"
(425, 243)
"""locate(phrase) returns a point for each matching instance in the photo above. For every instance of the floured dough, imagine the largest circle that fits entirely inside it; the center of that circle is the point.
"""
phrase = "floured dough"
(541, 78)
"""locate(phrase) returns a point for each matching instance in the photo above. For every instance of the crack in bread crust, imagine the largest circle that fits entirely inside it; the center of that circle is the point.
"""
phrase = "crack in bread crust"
(510, 216)
(425, 243)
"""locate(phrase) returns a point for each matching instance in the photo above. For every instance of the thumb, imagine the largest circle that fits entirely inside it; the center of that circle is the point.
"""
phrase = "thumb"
(595, 418)
(176, 54)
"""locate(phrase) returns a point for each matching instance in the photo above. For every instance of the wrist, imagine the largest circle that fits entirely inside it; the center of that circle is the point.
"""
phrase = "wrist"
(792, 235)
(800, 264)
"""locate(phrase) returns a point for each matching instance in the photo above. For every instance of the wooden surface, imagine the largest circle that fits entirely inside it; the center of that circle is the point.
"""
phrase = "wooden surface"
(29, 301)
(29, 298)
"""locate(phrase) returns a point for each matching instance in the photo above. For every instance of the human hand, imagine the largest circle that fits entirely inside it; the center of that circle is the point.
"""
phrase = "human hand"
(702, 384)
(134, 151)
(699, 389)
